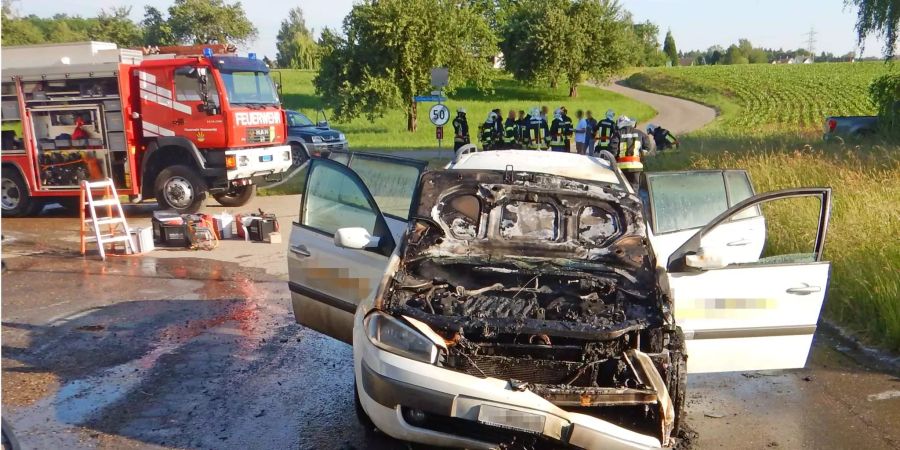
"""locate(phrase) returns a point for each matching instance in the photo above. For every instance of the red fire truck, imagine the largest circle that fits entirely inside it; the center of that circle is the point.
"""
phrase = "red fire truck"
(173, 127)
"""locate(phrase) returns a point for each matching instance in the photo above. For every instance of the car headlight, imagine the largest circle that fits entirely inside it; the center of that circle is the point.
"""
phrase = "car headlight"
(393, 335)
(341, 137)
(317, 139)
(243, 160)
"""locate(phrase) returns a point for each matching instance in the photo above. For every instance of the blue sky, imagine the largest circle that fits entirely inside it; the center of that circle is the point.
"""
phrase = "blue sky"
(695, 24)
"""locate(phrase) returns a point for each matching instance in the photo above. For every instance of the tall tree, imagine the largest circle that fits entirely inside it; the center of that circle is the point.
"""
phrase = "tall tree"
(115, 26)
(210, 21)
(157, 30)
(296, 47)
(553, 39)
(879, 18)
(646, 40)
(388, 48)
(669, 48)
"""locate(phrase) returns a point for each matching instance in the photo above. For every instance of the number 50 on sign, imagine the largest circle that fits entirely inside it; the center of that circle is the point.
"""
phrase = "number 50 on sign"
(439, 115)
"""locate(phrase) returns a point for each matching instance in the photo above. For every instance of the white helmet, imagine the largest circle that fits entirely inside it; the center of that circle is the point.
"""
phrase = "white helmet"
(461, 110)
(625, 121)
(651, 128)
(557, 114)
(492, 116)
(610, 114)
(535, 112)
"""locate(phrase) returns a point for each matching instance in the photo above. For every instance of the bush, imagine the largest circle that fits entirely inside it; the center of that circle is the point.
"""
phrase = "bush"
(885, 94)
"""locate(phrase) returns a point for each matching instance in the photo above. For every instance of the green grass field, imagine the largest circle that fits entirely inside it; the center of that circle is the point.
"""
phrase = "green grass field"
(389, 132)
(770, 123)
(764, 98)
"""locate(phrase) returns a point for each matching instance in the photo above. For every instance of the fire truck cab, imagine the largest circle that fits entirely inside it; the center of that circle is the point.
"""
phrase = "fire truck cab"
(173, 127)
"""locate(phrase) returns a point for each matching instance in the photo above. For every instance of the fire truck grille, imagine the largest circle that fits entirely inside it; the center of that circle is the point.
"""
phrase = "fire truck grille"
(258, 135)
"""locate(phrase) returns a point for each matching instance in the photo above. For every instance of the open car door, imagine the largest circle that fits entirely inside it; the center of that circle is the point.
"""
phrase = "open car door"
(740, 315)
(352, 216)
(680, 203)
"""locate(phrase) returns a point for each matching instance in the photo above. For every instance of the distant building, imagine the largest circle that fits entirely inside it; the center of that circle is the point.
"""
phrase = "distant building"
(686, 61)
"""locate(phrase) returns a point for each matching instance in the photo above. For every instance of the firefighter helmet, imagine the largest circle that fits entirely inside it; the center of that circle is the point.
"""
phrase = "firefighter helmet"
(651, 128)
(625, 121)
(610, 114)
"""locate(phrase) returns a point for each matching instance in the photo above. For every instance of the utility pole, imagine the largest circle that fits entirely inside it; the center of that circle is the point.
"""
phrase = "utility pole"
(811, 42)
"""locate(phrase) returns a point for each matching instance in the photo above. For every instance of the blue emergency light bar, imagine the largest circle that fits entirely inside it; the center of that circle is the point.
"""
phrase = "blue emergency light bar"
(251, 55)
(207, 52)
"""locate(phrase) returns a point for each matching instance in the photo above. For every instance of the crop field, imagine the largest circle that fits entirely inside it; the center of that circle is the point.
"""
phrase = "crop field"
(389, 132)
(770, 98)
(770, 124)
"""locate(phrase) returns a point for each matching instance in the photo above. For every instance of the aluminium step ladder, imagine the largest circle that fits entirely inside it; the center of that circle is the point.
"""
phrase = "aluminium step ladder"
(116, 226)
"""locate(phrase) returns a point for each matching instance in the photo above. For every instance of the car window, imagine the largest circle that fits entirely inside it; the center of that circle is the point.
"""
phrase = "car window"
(335, 201)
(790, 227)
(739, 189)
(392, 184)
(296, 119)
(529, 220)
(686, 200)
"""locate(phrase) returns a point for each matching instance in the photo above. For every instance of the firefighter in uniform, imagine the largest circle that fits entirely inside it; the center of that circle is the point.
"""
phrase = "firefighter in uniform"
(510, 131)
(628, 144)
(488, 132)
(604, 131)
(559, 133)
(567, 127)
(537, 130)
(521, 127)
(664, 138)
(460, 129)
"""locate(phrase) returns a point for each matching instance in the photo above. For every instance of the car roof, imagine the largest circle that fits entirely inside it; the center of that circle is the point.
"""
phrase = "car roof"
(570, 165)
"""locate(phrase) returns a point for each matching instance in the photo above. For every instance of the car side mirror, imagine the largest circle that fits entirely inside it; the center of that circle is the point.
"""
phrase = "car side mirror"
(355, 237)
(705, 259)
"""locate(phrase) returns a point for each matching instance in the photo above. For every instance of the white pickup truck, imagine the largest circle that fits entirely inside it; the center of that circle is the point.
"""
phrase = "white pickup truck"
(534, 297)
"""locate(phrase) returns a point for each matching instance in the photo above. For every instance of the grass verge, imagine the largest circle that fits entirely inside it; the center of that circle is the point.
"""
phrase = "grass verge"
(389, 131)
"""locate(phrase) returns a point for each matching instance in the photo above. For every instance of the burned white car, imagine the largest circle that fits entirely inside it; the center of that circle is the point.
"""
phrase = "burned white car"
(537, 304)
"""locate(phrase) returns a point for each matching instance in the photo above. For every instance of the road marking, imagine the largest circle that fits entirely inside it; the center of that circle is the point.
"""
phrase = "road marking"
(886, 395)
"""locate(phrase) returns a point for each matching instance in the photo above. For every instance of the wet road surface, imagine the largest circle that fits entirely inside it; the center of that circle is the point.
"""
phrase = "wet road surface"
(195, 352)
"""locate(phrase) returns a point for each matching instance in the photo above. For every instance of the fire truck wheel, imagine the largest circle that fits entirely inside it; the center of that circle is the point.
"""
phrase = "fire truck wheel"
(14, 196)
(180, 188)
(236, 197)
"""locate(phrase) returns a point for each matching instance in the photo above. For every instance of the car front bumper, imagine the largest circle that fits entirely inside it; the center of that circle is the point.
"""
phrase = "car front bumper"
(389, 384)
(320, 147)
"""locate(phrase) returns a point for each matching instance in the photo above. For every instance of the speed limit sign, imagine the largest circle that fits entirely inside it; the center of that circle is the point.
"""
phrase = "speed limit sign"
(439, 115)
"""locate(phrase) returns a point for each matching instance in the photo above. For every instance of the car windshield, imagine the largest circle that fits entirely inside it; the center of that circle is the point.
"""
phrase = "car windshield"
(252, 88)
(296, 119)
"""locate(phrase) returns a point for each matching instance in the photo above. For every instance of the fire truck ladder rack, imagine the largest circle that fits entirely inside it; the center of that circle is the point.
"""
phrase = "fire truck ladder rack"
(117, 227)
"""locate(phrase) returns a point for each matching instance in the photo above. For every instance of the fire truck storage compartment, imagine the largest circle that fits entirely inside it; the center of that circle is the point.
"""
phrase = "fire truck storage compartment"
(71, 145)
(54, 105)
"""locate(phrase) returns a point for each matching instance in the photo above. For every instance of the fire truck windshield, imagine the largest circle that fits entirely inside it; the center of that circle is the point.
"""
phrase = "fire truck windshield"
(249, 88)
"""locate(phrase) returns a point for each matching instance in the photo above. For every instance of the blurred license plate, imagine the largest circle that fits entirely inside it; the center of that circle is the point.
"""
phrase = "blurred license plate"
(265, 158)
(511, 418)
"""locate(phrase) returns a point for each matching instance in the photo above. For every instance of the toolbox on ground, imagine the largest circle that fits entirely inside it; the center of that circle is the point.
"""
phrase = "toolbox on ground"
(169, 229)
(259, 229)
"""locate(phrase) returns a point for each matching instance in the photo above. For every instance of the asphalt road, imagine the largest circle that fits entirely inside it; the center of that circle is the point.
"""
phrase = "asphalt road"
(675, 114)
(198, 350)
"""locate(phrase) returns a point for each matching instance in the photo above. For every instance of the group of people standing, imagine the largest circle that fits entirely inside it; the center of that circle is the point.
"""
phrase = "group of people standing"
(536, 130)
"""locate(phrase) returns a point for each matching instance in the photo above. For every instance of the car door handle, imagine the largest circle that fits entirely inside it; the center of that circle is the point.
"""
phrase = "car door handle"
(803, 290)
(300, 250)
(738, 243)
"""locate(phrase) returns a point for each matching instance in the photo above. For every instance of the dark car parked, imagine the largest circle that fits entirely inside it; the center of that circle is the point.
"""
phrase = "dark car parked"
(309, 138)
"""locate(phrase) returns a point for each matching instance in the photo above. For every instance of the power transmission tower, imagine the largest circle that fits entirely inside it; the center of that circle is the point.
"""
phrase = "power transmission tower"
(811, 42)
